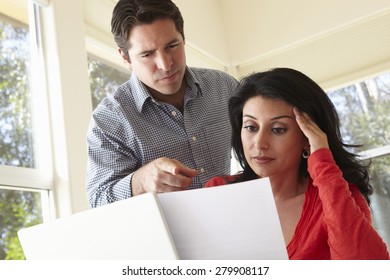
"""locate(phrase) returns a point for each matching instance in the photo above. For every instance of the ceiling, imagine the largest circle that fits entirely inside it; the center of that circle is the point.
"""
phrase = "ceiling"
(332, 41)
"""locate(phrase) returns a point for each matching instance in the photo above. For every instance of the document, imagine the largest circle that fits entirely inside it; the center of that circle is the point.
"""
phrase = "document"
(235, 221)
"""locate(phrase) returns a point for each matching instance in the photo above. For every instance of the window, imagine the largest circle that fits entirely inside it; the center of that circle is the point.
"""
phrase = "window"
(363, 108)
(25, 180)
(104, 79)
(15, 108)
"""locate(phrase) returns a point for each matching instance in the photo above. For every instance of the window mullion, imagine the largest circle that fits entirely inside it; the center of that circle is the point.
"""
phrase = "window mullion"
(25, 177)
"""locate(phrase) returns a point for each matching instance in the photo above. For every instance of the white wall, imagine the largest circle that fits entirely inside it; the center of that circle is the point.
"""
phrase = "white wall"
(70, 101)
(205, 33)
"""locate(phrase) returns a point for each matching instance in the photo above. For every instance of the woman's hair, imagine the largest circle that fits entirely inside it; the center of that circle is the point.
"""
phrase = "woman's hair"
(298, 90)
(130, 13)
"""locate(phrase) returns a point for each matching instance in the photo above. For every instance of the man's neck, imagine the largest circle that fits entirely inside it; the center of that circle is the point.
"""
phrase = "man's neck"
(175, 99)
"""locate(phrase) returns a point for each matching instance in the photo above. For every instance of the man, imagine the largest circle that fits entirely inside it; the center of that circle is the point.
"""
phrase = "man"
(167, 128)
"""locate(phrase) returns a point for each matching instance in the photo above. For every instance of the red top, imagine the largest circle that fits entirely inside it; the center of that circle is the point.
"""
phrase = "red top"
(336, 220)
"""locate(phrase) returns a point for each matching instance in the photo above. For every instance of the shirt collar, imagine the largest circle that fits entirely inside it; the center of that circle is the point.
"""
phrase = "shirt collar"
(139, 91)
(193, 83)
(193, 89)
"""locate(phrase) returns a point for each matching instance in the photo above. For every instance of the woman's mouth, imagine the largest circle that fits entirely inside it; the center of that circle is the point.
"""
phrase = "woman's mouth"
(262, 159)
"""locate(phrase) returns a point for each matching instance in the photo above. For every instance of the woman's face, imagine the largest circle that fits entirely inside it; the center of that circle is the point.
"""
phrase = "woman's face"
(272, 140)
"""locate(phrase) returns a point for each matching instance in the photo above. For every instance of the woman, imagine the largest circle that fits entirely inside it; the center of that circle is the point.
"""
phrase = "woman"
(286, 128)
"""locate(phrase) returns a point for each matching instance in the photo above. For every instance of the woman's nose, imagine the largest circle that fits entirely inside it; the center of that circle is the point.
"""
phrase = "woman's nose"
(261, 140)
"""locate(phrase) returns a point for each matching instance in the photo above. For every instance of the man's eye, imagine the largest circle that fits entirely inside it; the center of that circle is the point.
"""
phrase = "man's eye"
(173, 46)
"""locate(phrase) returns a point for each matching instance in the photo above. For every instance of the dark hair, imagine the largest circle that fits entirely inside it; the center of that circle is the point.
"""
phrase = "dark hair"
(298, 90)
(130, 13)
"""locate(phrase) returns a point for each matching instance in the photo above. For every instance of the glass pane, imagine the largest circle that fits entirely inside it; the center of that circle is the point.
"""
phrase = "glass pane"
(18, 209)
(16, 142)
(380, 179)
(364, 112)
(104, 79)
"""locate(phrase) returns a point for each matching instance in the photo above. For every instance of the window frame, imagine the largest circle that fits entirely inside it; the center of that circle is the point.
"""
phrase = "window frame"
(40, 177)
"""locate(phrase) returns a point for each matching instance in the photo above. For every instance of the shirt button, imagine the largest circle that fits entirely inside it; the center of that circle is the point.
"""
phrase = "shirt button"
(201, 170)
(174, 113)
(194, 138)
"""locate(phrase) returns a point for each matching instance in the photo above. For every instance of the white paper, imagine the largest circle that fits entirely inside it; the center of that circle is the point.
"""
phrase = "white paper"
(236, 221)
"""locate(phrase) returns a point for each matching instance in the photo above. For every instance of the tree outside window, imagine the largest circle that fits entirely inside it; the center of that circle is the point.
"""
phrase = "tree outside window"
(104, 79)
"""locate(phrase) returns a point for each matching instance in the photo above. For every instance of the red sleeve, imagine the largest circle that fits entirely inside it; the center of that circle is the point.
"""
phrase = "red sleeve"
(346, 213)
(220, 181)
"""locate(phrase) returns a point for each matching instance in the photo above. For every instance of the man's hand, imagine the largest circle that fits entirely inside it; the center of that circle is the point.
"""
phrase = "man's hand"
(162, 175)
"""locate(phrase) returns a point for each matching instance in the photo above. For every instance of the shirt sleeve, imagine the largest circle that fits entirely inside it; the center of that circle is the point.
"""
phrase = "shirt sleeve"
(110, 163)
(347, 215)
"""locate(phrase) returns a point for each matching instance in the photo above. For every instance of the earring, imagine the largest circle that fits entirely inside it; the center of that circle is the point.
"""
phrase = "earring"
(305, 154)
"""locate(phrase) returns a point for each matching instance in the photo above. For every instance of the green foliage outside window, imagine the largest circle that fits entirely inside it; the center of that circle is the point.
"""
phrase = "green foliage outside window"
(365, 119)
(18, 209)
(364, 112)
(104, 79)
(16, 143)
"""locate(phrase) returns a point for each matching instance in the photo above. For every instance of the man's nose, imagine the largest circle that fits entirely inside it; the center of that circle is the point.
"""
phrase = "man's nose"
(164, 62)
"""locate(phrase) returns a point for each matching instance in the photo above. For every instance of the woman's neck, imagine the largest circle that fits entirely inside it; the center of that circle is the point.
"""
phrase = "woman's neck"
(287, 187)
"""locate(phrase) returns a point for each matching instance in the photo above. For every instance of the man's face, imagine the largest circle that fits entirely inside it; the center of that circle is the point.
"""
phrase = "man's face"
(157, 56)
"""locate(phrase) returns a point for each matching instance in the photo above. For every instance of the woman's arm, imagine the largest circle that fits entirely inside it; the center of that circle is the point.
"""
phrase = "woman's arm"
(346, 213)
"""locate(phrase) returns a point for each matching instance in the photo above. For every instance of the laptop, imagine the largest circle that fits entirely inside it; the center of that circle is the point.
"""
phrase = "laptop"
(129, 229)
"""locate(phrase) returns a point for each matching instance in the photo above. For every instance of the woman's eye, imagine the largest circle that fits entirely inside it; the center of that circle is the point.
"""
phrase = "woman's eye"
(278, 130)
(250, 128)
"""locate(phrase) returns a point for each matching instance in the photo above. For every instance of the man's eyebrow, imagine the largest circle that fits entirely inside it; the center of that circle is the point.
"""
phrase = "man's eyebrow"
(174, 41)
(146, 52)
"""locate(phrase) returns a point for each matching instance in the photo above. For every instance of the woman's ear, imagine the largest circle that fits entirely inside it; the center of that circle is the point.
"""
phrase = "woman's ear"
(306, 147)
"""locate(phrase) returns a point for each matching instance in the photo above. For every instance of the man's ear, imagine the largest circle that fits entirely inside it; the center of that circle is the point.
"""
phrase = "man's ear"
(124, 57)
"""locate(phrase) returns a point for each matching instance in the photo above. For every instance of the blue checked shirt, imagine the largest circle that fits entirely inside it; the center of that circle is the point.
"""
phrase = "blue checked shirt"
(129, 129)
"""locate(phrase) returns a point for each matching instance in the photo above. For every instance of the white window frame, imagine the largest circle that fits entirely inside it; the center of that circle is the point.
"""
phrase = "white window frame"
(40, 177)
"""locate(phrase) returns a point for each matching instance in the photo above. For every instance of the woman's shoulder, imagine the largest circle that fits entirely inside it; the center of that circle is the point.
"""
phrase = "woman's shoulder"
(221, 180)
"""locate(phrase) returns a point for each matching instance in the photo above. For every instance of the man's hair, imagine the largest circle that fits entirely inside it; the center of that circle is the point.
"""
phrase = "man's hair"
(130, 13)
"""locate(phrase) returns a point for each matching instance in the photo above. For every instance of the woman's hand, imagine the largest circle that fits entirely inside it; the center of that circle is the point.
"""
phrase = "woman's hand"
(317, 138)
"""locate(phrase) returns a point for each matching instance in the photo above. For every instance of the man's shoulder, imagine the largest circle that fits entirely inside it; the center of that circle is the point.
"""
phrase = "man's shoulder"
(122, 96)
(206, 72)
(211, 76)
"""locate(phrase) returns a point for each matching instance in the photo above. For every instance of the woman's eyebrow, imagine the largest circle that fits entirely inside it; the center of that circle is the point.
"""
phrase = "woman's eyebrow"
(274, 118)
(249, 116)
(282, 117)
